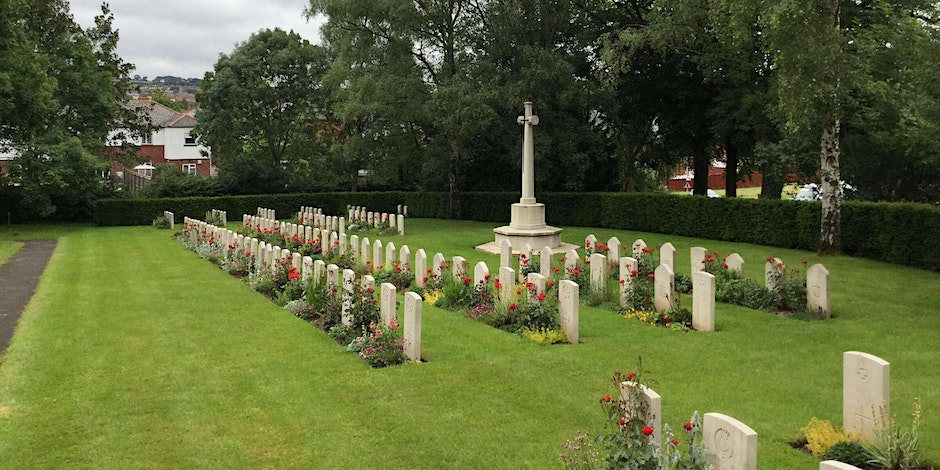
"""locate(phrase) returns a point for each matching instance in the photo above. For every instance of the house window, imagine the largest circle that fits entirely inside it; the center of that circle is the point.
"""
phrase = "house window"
(189, 168)
(147, 139)
(189, 141)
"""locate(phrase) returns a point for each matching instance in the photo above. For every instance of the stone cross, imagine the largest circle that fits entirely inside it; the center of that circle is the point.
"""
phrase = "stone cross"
(412, 326)
(703, 301)
(389, 302)
(866, 389)
(568, 293)
(729, 444)
(528, 120)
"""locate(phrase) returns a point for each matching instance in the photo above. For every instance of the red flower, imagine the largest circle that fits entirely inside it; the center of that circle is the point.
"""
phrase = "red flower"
(425, 279)
(525, 261)
(623, 281)
(467, 280)
(522, 255)
(606, 399)
(770, 258)
(512, 307)
(368, 262)
(429, 270)
(633, 272)
(528, 284)
(541, 296)
(652, 276)
(518, 292)
(674, 442)
(482, 281)
(398, 268)
(381, 266)
(804, 261)
(631, 375)
(293, 275)
(647, 250)
(623, 421)
(587, 244)
(647, 430)
(556, 269)
(497, 285)
(370, 290)
(779, 264)
(688, 426)
(704, 261)
(486, 276)
(575, 272)
(549, 283)
(725, 265)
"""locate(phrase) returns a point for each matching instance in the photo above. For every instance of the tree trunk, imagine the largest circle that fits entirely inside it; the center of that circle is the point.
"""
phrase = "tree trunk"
(731, 169)
(772, 184)
(830, 222)
(700, 164)
(628, 165)
(453, 180)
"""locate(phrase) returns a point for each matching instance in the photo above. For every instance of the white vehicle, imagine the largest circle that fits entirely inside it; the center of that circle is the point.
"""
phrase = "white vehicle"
(810, 192)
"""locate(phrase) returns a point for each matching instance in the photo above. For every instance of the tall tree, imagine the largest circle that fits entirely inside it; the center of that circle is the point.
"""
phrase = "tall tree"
(258, 101)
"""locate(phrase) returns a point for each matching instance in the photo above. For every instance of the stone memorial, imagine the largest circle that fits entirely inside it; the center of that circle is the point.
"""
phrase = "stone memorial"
(866, 389)
(527, 221)
(638, 246)
(507, 283)
(667, 256)
(505, 253)
(568, 295)
(648, 408)
(389, 303)
(437, 265)
(627, 266)
(598, 263)
(735, 263)
(412, 326)
(295, 262)
(613, 251)
(354, 247)
(697, 255)
(664, 288)
(421, 268)
(817, 290)
(590, 241)
(571, 261)
(404, 257)
(378, 254)
(774, 270)
(480, 271)
(401, 225)
(545, 261)
(703, 301)
(307, 270)
(390, 255)
(342, 243)
(525, 257)
(349, 286)
(836, 465)
(729, 444)
(332, 276)
(538, 283)
(459, 267)
(319, 270)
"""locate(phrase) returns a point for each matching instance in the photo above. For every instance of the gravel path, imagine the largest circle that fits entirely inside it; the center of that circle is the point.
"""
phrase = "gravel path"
(18, 279)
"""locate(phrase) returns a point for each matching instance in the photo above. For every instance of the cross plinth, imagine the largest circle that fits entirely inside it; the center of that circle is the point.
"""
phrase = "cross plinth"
(527, 224)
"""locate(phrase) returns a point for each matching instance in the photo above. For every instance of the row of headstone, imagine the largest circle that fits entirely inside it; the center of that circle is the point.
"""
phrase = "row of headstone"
(265, 213)
(170, 218)
(728, 443)
(220, 215)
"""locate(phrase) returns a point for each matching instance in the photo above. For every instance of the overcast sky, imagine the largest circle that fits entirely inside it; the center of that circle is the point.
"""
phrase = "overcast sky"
(185, 37)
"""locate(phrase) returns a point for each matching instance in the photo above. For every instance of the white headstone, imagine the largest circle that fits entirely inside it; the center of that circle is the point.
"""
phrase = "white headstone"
(649, 409)
(866, 389)
(590, 241)
(354, 247)
(332, 276)
(703, 301)
(365, 252)
(545, 261)
(571, 261)
(378, 255)
(275, 258)
(774, 271)
(401, 224)
(538, 286)
(568, 295)
(342, 225)
(404, 257)
(342, 243)
(627, 266)
(505, 253)
(421, 268)
(412, 326)
(507, 282)
(735, 263)
(390, 255)
(638, 246)
(480, 271)
(729, 444)
(836, 465)
(389, 302)
(296, 262)
(319, 268)
(698, 255)
(613, 251)
(307, 270)
(664, 288)
(325, 241)
(349, 285)
(391, 220)
(599, 272)
(817, 290)
(459, 267)
(667, 256)
(437, 265)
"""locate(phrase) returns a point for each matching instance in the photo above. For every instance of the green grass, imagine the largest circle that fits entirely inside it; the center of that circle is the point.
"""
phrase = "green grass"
(136, 353)
(7, 248)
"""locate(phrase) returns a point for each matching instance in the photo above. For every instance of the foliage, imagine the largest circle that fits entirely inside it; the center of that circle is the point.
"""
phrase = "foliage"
(380, 345)
(544, 335)
(869, 230)
(851, 452)
(170, 181)
(627, 440)
(161, 222)
(820, 435)
(895, 448)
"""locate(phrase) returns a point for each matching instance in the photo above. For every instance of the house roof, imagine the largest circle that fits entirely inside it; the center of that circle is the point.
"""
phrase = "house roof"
(162, 116)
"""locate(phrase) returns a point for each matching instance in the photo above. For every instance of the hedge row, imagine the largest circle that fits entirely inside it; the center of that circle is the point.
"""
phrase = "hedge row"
(906, 234)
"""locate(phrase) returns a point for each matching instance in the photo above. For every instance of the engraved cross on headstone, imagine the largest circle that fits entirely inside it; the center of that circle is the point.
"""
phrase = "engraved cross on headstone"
(528, 154)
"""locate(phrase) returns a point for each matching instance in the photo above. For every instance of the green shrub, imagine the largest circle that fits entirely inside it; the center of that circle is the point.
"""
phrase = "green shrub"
(161, 223)
(850, 452)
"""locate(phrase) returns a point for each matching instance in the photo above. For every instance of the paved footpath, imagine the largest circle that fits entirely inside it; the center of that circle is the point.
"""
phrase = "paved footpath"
(18, 279)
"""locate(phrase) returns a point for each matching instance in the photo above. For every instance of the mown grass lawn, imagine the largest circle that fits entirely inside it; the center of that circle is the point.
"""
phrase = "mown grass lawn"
(136, 353)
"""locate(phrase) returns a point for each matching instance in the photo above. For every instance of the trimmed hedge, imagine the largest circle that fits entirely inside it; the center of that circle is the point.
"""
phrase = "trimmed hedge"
(899, 233)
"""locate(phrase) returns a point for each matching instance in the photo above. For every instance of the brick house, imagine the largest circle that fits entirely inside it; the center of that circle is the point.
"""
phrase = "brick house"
(170, 142)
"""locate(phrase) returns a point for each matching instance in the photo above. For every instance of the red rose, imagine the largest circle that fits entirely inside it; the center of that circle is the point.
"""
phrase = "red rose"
(528, 284)
(770, 258)
(467, 280)
(623, 421)
(647, 430)
(623, 281)
(512, 307)
(631, 375)
(518, 292)
(575, 272)
(675, 442)
(497, 285)
(779, 264)
(587, 244)
(556, 269)
(370, 290)
(652, 276)
(429, 270)
(606, 398)
(633, 272)
(381, 266)
(804, 261)
(688, 426)
(541, 296)
(549, 283)
(486, 276)
(725, 265)
(293, 275)
(425, 279)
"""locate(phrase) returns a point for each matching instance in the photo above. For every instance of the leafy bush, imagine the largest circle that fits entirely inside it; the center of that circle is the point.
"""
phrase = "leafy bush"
(821, 434)
(850, 452)
(161, 223)
(380, 345)
(544, 335)
(896, 448)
